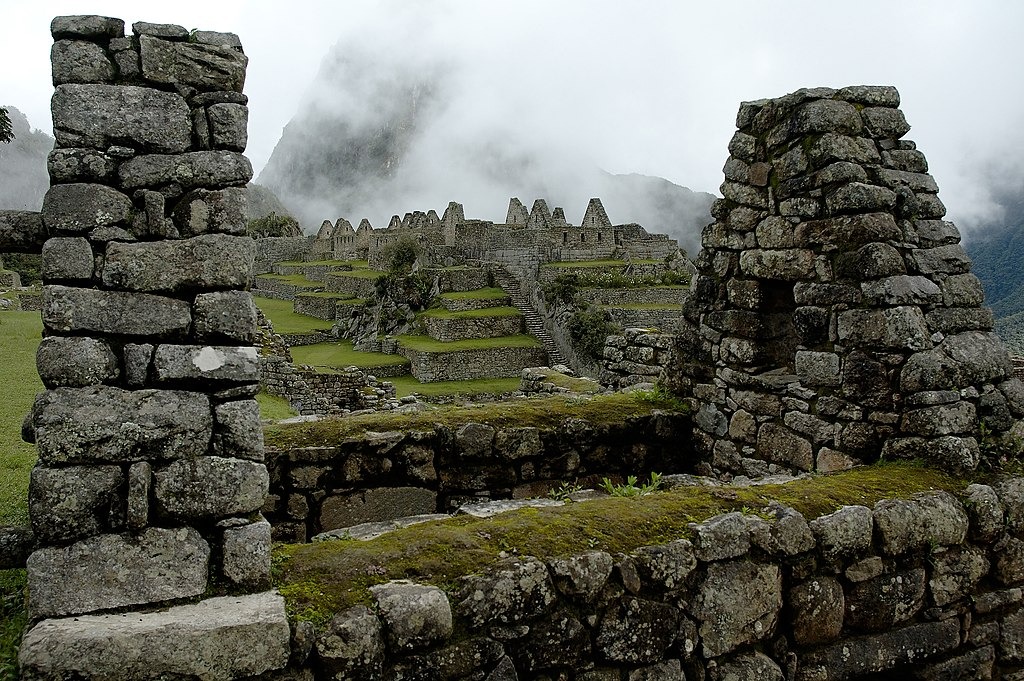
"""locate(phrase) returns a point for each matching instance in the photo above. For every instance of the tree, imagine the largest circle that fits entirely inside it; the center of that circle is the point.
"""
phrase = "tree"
(6, 131)
(274, 225)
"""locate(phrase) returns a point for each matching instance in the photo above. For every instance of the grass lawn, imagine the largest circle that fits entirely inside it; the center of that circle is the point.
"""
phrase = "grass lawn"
(598, 263)
(646, 306)
(20, 333)
(284, 319)
(293, 279)
(407, 385)
(274, 408)
(479, 294)
(341, 354)
(428, 344)
(441, 313)
(359, 274)
(13, 619)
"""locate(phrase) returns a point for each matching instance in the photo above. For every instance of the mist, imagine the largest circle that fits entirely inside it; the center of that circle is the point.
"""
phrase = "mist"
(23, 176)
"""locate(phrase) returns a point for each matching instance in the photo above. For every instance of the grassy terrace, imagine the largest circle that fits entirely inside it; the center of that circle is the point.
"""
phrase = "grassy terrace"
(479, 294)
(324, 294)
(597, 263)
(470, 314)
(427, 344)
(540, 412)
(284, 319)
(646, 306)
(330, 263)
(318, 580)
(359, 274)
(332, 356)
(407, 385)
(293, 279)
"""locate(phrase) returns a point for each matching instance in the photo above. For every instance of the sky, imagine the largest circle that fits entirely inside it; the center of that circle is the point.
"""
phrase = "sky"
(649, 86)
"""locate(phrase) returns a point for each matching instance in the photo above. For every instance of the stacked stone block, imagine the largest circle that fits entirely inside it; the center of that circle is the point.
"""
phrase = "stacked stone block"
(151, 475)
(837, 318)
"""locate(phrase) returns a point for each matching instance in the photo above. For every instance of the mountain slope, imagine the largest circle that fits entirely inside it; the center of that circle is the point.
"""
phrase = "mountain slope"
(23, 176)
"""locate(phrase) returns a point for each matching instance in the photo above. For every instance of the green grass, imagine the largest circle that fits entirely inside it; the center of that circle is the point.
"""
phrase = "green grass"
(479, 294)
(341, 354)
(293, 279)
(540, 412)
(578, 385)
(597, 263)
(472, 314)
(318, 580)
(330, 263)
(427, 344)
(13, 618)
(324, 294)
(19, 337)
(646, 306)
(284, 318)
(359, 274)
(407, 385)
(274, 408)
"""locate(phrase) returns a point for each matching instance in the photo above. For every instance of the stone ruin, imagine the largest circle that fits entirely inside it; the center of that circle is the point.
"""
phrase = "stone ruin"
(525, 239)
(150, 476)
(836, 318)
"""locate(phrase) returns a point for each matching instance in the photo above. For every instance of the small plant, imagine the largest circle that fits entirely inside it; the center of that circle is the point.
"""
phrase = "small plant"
(400, 255)
(589, 328)
(630, 489)
(998, 451)
(565, 490)
(661, 396)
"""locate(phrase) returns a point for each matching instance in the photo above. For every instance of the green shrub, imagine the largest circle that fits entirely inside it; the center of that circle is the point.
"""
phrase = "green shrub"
(562, 290)
(588, 330)
(273, 225)
(400, 255)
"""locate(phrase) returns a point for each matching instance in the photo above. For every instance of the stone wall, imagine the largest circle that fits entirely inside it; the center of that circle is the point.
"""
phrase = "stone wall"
(358, 287)
(651, 295)
(637, 356)
(268, 287)
(150, 474)
(838, 318)
(319, 306)
(462, 365)
(546, 275)
(661, 319)
(921, 588)
(310, 392)
(463, 328)
(382, 476)
(279, 248)
(462, 279)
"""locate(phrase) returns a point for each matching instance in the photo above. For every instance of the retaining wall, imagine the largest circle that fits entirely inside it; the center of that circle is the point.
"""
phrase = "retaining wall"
(381, 476)
(651, 295)
(637, 356)
(464, 328)
(462, 365)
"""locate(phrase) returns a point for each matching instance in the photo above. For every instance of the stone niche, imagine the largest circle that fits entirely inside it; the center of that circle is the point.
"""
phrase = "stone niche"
(835, 316)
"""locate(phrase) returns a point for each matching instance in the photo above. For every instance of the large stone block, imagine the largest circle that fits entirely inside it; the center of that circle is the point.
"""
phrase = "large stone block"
(212, 261)
(75, 362)
(113, 571)
(80, 61)
(245, 558)
(86, 26)
(80, 165)
(845, 532)
(858, 658)
(202, 211)
(101, 116)
(228, 637)
(415, 616)
(104, 424)
(225, 315)
(75, 501)
(880, 603)
(816, 609)
(68, 258)
(637, 632)
(980, 356)
(513, 591)
(239, 430)
(204, 67)
(897, 328)
(82, 207)
(848, 233)
(352, 644)
(904, 525)
(786, 264)
(191, 170)
(206, 363)
(69, 310)
(383, 503)
(228, 126)
(738, 603)
(210, 487)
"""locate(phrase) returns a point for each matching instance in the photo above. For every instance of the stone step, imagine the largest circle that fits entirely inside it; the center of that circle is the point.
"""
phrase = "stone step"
(534, 322)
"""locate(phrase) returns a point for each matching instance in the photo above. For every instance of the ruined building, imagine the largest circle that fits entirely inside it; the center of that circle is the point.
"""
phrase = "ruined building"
(526, 238)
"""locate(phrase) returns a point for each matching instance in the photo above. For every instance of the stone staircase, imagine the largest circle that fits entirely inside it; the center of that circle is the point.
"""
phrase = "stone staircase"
(534, 324)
